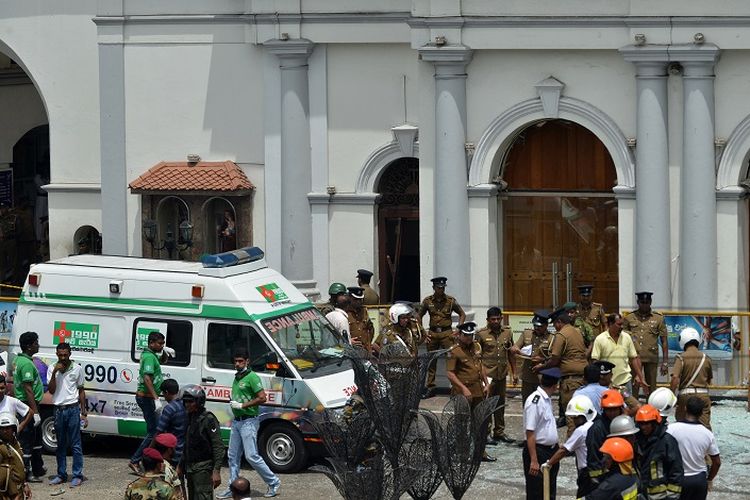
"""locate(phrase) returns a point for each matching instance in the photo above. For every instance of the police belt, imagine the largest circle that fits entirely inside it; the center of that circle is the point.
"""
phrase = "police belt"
(565, 377)
(441, 329)
(693, 390)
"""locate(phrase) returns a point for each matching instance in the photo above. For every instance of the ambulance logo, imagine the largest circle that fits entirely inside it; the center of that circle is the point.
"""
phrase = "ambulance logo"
(80, 336)
(271, 292)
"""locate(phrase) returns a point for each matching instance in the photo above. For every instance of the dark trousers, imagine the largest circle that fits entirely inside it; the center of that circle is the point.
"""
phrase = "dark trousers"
(535, 484)
(31, 443)
(694, 487)
(148, 407)
(585, 486)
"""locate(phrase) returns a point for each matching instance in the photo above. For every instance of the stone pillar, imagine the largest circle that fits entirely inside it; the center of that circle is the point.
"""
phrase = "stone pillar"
(652, 241)
(452, 248)
(698, 250)
(296, 168)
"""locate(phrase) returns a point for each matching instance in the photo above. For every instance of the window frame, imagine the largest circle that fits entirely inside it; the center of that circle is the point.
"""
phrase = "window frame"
(170, 361)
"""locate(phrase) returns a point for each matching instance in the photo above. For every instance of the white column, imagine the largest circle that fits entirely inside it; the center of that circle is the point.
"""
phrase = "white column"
(652, 248)
(452, 249)
(484, 226)
(296, 166)
(698, 250)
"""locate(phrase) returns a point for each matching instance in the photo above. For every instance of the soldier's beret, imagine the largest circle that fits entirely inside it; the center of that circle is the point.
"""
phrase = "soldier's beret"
(166, 439)
(468, 328)
(644, 296)
(356, 292)
(541, 317)
(152, 453)
(439, 281)
(569, 306)
(364, 273)
(585, 289)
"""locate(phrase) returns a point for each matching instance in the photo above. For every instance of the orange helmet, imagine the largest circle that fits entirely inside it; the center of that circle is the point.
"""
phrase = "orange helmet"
(611, 398)
(647, 413)
(618, 448)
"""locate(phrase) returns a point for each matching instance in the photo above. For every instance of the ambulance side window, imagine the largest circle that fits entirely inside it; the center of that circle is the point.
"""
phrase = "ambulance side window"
(179, 336)
(224, 340)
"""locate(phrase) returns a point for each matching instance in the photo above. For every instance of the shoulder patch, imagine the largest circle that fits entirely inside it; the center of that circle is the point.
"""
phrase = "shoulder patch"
(535, 399)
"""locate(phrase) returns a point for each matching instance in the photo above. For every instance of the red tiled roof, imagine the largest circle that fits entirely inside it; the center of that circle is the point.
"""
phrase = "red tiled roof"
(203, 176)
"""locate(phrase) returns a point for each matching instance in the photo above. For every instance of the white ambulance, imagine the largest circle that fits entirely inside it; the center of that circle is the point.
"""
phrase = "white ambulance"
(105, 307)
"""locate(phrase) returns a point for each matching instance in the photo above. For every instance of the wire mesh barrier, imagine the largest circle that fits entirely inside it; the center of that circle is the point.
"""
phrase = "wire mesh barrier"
(382, 446)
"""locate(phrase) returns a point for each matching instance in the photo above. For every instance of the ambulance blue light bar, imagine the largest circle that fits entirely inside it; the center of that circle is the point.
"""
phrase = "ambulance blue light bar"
(233, 258)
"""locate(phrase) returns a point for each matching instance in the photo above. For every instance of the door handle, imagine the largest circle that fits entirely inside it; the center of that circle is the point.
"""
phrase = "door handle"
(208, 380)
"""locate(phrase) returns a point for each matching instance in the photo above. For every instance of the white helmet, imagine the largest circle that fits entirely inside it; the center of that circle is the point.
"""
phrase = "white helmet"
(622, 425)
(7, 419)
(581, 405)
(688, 334)
(663, 400)
(397, 310)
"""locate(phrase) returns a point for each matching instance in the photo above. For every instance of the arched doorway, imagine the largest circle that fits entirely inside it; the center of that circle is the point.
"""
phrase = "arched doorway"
(220, 219)
(398, 231)
(560, 224)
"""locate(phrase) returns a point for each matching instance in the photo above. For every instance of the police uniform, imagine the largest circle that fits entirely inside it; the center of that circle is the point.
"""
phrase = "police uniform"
(646, 331)
(568, 345)
(539, 418)
(12, 470)
(408, 336)
(593, 312)
(539, 348)
(494, 348)
(360, 324)
(371, 296)
(685, 365)
(440, 310)
(466, 363)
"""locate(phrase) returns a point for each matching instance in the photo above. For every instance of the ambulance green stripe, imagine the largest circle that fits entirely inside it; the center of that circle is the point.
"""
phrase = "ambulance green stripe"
(137, 428)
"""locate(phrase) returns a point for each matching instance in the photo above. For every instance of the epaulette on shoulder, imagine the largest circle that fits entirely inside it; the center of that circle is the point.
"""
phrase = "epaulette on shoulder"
(535, 399)
(656, 313)
(597, 304)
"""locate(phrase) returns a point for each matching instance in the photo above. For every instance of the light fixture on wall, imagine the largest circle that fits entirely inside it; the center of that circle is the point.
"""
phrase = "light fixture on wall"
(169, 243)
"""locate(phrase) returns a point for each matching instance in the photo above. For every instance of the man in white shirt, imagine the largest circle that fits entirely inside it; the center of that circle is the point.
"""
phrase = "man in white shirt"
(541, 435)
(695, 442)
(9, 404)
(240, 489)
(339, 317)
(65, 383)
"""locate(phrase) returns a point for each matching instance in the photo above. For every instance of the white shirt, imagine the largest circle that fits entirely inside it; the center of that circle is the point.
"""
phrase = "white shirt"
(68, 384)
(695, 442)
(340, 321)
(12, 405)
(538, 417)
(577, 443)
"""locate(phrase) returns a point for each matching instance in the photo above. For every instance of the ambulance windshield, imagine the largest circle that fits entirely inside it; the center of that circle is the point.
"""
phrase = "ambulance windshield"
(309, 342)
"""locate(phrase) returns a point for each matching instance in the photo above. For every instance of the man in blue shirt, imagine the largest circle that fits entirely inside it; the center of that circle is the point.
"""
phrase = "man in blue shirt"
(597, 376)
(173, 417)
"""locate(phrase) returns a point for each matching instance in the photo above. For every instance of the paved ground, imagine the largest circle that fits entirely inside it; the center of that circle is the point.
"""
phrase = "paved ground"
(106, 465)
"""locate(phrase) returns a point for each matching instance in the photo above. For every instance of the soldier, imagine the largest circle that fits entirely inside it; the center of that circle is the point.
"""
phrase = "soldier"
(465, 371)
(691, 376)
(568, 351)
(496, 341)
(152, 485)
(591, 312)
(575, 319)
(536, 342)
(361, 328)
(440, 307)
(363, 280)
(648, 330)
(334, 291)
(402, 330)
(12, 470)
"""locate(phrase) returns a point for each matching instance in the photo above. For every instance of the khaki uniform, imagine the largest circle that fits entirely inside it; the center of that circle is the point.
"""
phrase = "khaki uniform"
(569, 346)
(324, 307)
(646, 331)
(408, 336)
(495, 360)
(371, 296)
(466, 364)
(685, 365)
(441, 332)
(12, 470)
(361, 327)
(540, 343)
(151, 486)
(593, 315)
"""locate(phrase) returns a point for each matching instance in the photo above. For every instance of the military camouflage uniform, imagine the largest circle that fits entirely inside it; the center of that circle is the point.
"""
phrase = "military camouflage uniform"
(588, 333)
(441, 332)
(593, 314)
(150, 487)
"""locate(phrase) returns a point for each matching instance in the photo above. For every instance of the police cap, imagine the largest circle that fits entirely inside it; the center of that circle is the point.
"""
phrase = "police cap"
(357, 292)
(605, 367)
(585, 289)
(644, 296)
(541, 317)
(468, 328)
(439, 281)
(553, 372)
(364, 273)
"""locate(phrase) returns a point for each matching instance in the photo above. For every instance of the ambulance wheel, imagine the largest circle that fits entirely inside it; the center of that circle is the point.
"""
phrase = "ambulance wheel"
(49, 439)
(282, 448)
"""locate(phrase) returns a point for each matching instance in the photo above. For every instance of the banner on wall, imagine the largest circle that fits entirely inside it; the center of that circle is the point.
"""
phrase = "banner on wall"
(716, 334)
(7, 315)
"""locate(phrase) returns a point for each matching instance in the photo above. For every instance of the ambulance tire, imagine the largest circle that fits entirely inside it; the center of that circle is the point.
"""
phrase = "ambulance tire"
(49, 439)
(282, 447)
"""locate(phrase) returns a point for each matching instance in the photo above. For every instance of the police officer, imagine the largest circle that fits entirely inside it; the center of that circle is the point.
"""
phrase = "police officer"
(648, 332)
(691, 376)
(541, 435)
(401, 330)
(440, 307)
(334, 291)
(363, 280)
(465, 370)
(568, 351)
(533, 346)
(496, 341)
(12, 470)
(361, 328)
(591, 312)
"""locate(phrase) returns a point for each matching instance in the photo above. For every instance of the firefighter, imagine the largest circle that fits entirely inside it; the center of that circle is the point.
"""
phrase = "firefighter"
(658, 458)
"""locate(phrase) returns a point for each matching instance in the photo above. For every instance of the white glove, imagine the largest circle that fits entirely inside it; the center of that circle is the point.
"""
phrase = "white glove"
(37, 419)
(169, 351)
(157, 405)
(236, 405)
(545, 465)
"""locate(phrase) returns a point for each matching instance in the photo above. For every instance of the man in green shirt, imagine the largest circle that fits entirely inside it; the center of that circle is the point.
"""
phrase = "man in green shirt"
(247, 395)
(28, 388)
(147, 393)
